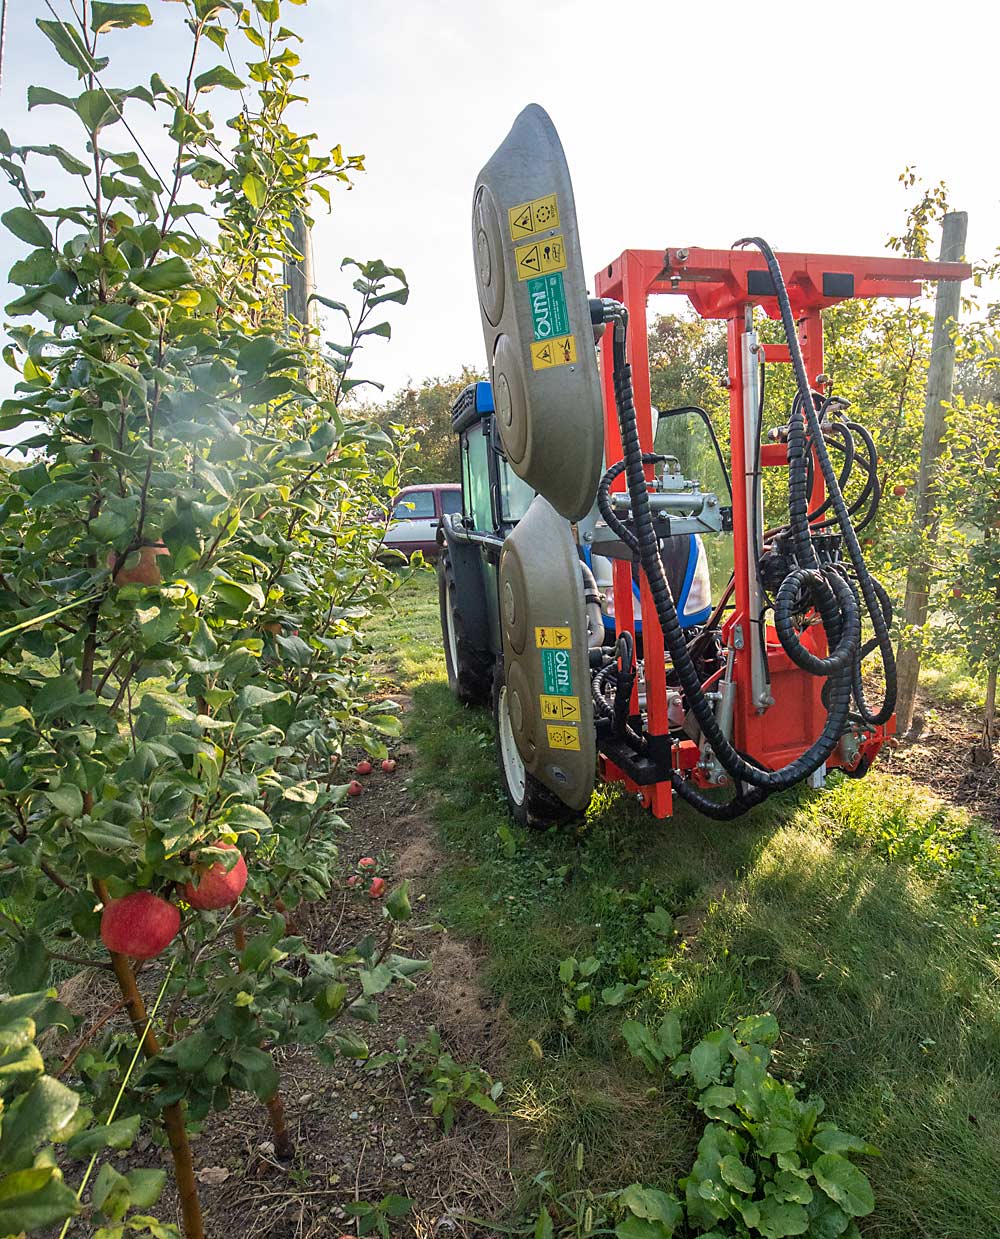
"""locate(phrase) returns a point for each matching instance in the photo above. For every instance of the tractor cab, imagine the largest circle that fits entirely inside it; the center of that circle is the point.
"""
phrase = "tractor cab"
(494, 498)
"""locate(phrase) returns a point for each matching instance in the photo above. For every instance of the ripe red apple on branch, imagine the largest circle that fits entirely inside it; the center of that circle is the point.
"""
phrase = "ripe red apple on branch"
(139, 925)
(217, 886)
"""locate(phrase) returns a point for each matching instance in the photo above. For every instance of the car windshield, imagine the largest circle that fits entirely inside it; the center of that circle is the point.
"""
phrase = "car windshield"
(417, 505)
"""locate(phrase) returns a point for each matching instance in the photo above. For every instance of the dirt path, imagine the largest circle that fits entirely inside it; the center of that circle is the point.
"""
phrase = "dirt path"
(362, 1133)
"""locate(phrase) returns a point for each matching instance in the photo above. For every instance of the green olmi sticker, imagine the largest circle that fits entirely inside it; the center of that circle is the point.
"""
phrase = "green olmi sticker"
(547, 298)
(557, 673)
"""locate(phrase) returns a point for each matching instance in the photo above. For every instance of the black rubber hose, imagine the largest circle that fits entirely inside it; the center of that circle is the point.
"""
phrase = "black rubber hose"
(872, 602)
(840, 687)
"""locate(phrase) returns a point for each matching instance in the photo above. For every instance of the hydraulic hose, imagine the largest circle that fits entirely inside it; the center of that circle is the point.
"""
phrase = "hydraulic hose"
(648, 549)
(873, 604)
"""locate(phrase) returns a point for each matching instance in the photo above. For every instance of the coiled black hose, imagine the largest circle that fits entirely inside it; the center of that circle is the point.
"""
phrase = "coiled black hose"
(645, 538)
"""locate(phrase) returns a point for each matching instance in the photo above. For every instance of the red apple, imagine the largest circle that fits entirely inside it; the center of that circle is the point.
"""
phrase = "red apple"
(956, 591)
(352, 880)
(139, 925)
(899, 491)
(363, 767)
(354, 788)
(377, 888)
(218, 887)
(367, 862)
(388, 765)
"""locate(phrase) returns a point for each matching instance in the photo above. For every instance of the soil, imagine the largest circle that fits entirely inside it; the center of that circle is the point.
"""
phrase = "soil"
(360, 1134)
(938, 752)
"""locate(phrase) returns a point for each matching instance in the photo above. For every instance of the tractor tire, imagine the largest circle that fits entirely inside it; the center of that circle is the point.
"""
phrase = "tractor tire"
(470, 670)
(530, 802)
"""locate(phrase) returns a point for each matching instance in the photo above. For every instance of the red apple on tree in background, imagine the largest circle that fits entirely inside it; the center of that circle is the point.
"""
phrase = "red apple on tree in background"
(363, 767)
(217, 886)
(956, 590)
(354, 788)
(377, 888)
(899, 490)
(139, 925)
(388, 765)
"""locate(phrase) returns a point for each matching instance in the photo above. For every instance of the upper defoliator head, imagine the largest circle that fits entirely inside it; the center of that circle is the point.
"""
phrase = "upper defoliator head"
(536, 316)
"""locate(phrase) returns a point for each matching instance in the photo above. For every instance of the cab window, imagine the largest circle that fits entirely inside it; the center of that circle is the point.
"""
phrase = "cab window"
(417, 505)
(451, 502)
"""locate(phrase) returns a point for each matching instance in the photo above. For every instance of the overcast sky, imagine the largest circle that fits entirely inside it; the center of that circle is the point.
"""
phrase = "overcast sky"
(683, 124)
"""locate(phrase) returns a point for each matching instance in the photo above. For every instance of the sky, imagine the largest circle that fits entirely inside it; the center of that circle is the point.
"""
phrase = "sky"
(683, 124)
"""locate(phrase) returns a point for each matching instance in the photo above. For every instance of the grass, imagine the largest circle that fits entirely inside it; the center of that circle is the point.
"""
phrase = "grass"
(864, 916)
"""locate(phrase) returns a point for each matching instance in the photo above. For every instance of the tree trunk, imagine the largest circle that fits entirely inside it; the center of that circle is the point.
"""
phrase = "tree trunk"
(173, 1116)
(982, 755)
(940, 381)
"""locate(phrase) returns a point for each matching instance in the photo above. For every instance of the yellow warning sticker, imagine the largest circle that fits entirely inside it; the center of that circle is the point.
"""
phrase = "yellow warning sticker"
(536, 216)
(554, 638)
(563, 737)
(539, 258)
(566, 709)
(558, 352)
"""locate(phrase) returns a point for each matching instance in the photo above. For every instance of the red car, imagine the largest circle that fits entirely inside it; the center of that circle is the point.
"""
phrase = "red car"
(416, 513)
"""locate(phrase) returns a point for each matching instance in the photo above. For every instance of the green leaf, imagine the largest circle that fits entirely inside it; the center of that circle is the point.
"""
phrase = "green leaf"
(70, 46)
(653, 1205)
(543, 1225)
(31, 1200)
(398, 903)
(28, 965)
(26, 226)
(781, 1218)
(105, 15)
(706, 1061)
(164, 276)
(736, 1174)
(34, 1119)
(668, 1035)
(833, 1140)
(758, 1029)
(219, 76)
(254, 190)
(566, 970)
(845, 1184)
(67, 799)
(116, 1135)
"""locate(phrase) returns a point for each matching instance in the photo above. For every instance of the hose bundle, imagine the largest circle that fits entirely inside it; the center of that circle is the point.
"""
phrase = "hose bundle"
(810, 583)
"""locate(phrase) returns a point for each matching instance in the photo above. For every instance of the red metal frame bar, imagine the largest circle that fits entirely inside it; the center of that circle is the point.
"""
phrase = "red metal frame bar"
(718, 283)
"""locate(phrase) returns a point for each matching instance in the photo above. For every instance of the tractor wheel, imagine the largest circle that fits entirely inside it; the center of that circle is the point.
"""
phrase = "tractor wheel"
(470, 670)
(530, 802)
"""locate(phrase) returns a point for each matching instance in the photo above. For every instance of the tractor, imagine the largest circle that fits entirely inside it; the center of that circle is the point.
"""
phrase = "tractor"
(610, 585)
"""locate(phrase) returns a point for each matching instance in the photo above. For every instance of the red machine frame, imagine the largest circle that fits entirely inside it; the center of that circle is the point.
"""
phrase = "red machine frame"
(718, 284)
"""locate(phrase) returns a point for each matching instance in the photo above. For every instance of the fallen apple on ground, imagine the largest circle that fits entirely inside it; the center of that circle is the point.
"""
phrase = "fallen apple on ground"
(363, 767)
(354, 788)
(217, 886)
(367, 862)
(388, 765)
(139, 925)
(377, 888)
